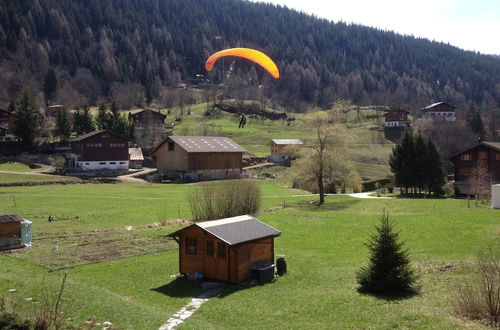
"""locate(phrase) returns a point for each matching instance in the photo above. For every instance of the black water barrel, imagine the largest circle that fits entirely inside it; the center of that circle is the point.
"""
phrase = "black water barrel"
(281, 266)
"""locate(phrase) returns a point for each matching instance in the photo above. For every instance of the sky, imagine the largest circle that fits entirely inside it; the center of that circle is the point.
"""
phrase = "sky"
(467, 24)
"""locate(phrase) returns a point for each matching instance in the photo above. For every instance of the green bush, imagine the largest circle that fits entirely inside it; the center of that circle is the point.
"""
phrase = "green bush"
(371, 185)
(449, 190)
(13, 322)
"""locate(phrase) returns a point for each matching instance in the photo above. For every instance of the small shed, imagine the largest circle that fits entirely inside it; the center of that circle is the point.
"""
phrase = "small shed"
(135, 157)
(15, 232)
(495, 196)
(225, 249)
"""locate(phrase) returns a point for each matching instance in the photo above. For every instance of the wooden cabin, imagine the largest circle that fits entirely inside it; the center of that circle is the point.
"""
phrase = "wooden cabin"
(196, 158)
(99, 151)
(440, 111)
(225, 249)
(465, 161)
(279, 149)
(15, 232)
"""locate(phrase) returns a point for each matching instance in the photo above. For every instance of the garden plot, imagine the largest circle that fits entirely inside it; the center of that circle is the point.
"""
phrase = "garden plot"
(67, 250)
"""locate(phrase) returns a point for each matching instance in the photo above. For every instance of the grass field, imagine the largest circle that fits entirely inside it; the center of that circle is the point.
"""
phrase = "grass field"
(323, 247)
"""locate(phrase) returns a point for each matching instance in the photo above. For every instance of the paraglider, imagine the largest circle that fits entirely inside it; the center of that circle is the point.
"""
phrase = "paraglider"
(250, 54)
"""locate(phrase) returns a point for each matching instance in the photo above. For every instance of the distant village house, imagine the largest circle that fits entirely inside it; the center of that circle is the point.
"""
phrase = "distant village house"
(465, 161)
(135, 157)
(6, 126)
(396, 118)
(440, 110)
(98, 151)
(149, 129)
(225, 249)
(199, 157)
(280, 149)
(51, 112)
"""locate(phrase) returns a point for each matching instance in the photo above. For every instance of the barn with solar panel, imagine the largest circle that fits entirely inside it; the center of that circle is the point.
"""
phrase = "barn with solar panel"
(227, 249)
(197, 158)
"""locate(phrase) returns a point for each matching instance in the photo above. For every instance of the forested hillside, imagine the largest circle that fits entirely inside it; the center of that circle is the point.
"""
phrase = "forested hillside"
(134, 50)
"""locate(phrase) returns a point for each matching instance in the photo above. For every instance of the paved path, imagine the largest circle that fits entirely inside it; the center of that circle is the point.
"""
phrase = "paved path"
(134, 176)
(367, 195)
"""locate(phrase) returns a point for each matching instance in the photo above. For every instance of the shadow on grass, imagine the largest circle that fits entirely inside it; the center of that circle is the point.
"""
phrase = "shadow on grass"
(391, 296)
(329, 205)
(180, 288)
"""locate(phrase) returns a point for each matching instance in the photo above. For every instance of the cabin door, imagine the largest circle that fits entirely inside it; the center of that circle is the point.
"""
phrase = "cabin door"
(215, 264)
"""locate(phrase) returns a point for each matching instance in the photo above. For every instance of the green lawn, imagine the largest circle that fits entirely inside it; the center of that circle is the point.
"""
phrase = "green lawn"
(28, 177)
(323, 246)
(14, 167)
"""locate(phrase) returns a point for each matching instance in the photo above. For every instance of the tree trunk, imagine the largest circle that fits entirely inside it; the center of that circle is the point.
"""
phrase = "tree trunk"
(321, 190)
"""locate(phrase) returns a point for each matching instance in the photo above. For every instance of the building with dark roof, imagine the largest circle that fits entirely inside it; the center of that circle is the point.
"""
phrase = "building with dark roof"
(225, 249)
(99, 151)
(487, 153)
(439, 110)
(199, 157)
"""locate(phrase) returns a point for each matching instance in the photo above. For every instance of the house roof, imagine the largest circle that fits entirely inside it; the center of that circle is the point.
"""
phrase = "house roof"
(156, 113)
(492, 145)
(204, 144)
(236, 230)
(135, 153)
(433, 105)
(286, 141)
(10, 218)
(94, 133)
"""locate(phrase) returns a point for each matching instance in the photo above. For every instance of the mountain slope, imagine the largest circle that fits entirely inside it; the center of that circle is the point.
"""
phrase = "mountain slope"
(115, 48)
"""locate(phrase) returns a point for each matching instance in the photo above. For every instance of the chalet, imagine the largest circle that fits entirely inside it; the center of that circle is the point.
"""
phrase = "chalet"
(51, 112)
(6, 126)
(149, 128)
(135, 157)
(15, 232)
(280, 149)
(99, 150)
(465, 161)
(225, 249)
(396, 118)
(199, 157)
(440, 110)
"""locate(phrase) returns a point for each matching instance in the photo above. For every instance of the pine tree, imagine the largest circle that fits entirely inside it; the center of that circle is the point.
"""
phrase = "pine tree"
(102, 119)
(474, 121)
(27, 121)
(63, 125)
(87, 120)
(434, 164)
(420, 172)
(50, 85)
(389, 271)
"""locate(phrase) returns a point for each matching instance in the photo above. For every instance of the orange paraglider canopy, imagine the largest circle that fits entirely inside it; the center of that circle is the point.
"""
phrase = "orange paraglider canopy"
(250, 54)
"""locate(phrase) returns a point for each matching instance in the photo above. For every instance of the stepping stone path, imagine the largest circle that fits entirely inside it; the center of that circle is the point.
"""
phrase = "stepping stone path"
(191, 307)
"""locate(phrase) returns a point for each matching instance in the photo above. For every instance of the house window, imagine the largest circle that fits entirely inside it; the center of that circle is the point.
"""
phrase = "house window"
(122, 162)
(497, 156)
(102, 163)
(112, 163)
(170, 146)
(464, 171)
(209, 248)
(483, 155)
(191, 245)
(466, 157)
(221, 250)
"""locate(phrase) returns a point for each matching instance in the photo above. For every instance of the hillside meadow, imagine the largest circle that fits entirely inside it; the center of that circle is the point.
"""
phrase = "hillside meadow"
(138, 288)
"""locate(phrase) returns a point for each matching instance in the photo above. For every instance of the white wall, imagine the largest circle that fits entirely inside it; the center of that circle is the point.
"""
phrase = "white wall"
(495, 196)
(104, 165)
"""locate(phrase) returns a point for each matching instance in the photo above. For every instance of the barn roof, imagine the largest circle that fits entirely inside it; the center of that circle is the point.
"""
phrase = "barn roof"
(236, 230)
(135, 153)
(204, 144)
(286, 141)
(10, 218)
(492, 145)
(91, 134)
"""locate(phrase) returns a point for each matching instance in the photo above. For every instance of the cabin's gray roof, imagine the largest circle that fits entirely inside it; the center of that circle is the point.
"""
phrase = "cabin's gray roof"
(10, 218)
(206, 144)
(286, 141)
(236, 230)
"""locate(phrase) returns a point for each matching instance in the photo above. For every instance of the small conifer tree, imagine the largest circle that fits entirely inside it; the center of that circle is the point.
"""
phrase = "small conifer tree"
(389, 271)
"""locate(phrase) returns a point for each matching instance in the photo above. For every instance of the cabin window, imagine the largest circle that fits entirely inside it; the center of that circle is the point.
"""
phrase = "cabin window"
(122, 162)
(112, 163)
(465, 171)
(221, 250)
(170, 146)
(497, 156)
(102, 163)
(483, 155)
(209, 248)
(466, 157)
(191, 245)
